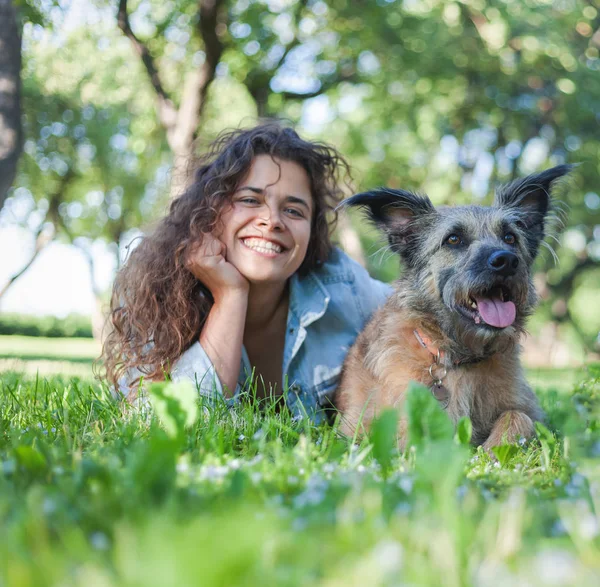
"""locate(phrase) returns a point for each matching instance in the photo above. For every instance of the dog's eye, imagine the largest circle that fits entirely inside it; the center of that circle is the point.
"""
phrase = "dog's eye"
(510, 238)
(454, 240)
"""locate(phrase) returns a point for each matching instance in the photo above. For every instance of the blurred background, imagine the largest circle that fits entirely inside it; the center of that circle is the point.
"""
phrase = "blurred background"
(448, 98)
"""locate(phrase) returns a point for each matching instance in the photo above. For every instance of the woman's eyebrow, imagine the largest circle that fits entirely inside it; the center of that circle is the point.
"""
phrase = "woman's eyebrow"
(296, 200)
(288, 199)
(252, 189)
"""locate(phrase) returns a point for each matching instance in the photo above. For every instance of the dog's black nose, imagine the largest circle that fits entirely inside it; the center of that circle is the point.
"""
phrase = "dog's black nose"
(504, 263)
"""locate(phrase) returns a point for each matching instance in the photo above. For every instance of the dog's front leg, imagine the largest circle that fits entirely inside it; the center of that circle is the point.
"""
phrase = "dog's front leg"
(509, 427)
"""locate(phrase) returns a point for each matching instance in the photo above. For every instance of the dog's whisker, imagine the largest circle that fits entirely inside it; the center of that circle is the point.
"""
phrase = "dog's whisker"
(549, 248)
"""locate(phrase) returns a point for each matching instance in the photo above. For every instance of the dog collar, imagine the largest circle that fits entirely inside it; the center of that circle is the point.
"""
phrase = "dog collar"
(437, 370)
(427, 343)
(439, 355)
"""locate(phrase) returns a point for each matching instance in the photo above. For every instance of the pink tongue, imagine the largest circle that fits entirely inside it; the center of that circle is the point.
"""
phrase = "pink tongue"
(495, 312)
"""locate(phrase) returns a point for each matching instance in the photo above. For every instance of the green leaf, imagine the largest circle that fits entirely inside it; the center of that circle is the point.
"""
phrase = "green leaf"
(176, 405)
(464, 430)
(505, 452)
(427, 421)
(548, 443)
(31, 459)
(384, 436)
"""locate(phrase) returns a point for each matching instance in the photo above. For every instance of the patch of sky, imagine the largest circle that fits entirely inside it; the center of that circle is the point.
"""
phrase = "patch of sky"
(368, 63)
(349, 102)
(279, 5)
(44, 164)
(79, 131)
(572, 143)
(30, 147)
(273, 56)
(19, 205)
(240, 30)
(319, 8)
(592, 200)
(198, 58)
(252, 48)
(574, 239)
(58, 164)
(481, 174)
(317, 113)
(308, 26)
(74, 209)
(535, 153)
(240, 6)
(503, 162)
(58, 129)
(282, 26)
(118, 142)
(86, 151)
(222, 70)
(447, 155)
(94, 198)
(130, 162)
(88, 112)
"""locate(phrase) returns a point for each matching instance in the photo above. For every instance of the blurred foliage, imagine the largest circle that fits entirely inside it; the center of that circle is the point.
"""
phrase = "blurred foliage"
(443, 97)
(73, 325)
(99, 492)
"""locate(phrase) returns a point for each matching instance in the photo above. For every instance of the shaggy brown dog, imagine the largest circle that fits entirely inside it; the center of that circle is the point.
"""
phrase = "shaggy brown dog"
(457, 313)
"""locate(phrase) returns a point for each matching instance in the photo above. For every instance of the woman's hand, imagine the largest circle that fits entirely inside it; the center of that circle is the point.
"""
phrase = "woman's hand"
(208, 263)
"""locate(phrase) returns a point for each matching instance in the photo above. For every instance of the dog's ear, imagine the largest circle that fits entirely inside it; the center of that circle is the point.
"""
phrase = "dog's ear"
(396, 212)
(530, 198)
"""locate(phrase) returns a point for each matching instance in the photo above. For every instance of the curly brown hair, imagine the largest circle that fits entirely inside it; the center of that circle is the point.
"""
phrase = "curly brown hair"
(158, 307)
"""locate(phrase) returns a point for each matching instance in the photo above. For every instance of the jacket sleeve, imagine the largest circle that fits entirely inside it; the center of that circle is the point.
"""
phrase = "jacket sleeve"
(195, 365)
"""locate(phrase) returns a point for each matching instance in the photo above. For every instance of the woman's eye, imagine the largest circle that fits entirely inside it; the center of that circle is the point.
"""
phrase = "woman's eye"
(454, 240)
(294, 212)
(510, 238)
(249, 200)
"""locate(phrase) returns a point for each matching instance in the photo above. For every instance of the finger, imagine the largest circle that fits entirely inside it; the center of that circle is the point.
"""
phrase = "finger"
(209, 247)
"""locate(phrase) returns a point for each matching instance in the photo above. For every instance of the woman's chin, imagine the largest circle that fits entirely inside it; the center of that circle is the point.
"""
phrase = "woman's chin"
(265, 279)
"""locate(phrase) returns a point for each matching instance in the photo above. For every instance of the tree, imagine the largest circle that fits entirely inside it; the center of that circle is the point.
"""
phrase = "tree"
(10, 97)
(444, 97)
(94, 162)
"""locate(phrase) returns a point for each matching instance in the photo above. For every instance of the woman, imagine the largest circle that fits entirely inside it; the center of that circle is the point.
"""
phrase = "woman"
(240, 281)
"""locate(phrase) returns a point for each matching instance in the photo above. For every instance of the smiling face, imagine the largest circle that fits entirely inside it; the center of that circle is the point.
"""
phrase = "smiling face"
(267, 227)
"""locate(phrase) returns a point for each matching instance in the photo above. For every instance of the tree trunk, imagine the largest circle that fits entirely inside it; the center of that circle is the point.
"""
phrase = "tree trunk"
(11, 138)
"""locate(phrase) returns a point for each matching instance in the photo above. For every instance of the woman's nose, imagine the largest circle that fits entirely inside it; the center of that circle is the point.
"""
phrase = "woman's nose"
(272, 219)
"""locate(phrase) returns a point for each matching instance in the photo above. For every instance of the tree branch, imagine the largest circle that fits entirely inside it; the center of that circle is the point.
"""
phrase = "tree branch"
(42, 238)
(325, 86)
(166, 110)
(295, 41)
(198, 81)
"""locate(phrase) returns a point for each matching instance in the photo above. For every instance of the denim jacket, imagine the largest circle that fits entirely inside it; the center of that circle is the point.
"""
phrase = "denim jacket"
(327, 309)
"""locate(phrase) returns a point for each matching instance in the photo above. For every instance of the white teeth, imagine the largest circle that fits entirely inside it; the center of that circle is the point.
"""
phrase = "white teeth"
(262, 246)
(474, 304)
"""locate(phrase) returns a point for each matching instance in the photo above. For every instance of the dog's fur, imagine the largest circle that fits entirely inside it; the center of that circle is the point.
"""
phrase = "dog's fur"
(484, 380)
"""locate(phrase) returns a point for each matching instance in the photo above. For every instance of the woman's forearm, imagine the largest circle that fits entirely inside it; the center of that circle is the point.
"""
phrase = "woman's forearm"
(223, 335)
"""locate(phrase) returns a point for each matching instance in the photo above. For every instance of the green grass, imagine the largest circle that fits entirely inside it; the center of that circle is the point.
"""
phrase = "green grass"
(37, 347)
(48, 356)
(94, 492)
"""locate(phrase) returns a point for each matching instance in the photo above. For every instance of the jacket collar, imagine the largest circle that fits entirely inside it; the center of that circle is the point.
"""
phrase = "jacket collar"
(308, 298)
